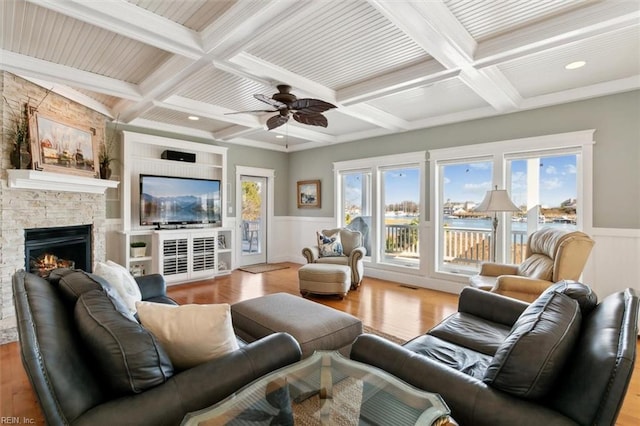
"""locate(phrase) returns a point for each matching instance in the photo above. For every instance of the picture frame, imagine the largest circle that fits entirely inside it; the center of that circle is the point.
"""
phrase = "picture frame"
(63, 146)
(308, 194)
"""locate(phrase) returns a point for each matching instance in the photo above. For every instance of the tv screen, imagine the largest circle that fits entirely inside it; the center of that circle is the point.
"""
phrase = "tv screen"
(179, 201)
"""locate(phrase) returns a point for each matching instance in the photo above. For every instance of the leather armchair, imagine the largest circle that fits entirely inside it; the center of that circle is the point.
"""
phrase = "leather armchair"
(552, 255)
(457, 357)
(353, 253)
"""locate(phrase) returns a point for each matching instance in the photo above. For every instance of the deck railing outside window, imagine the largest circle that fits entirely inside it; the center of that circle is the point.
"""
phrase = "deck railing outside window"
(468, 246)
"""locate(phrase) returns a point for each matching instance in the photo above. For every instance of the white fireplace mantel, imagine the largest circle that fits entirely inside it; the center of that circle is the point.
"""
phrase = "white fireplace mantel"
(33, 179)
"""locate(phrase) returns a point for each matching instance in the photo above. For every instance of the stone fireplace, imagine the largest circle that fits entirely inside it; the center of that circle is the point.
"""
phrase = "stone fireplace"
(58, 247)
(31, 199)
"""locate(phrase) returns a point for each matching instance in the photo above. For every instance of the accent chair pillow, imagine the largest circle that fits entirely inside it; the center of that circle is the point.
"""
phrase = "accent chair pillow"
(329, 246)
(191, 334)
(532, 356)
(129, 357)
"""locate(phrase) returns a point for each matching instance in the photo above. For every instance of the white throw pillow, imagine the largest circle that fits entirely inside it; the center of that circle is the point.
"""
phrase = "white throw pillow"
(191, 334)
(128, 281)
(117, 281)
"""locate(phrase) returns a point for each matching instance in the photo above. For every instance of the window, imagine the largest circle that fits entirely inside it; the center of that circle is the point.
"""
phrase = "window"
(383, 198)
(548, 177)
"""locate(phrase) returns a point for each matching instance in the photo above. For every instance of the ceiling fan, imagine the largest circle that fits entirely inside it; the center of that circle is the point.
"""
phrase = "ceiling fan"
(305, 111)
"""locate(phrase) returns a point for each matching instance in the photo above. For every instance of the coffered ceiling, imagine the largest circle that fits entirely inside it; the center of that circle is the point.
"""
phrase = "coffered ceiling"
(389, 66)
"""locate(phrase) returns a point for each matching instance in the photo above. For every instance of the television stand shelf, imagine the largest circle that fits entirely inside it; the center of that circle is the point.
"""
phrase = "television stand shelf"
(195, 253)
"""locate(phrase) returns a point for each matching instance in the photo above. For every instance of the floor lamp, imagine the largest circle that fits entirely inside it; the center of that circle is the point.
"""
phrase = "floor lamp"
(496, 200)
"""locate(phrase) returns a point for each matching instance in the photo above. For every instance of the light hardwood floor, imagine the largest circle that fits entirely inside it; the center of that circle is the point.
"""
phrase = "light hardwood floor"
(386, 306)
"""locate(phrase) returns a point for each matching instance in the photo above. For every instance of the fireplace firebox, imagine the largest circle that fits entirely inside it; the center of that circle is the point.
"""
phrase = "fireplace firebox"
(60, 247)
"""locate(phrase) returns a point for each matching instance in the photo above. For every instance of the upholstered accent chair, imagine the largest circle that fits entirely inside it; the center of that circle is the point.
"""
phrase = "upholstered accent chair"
(552, 255)
(353, 253)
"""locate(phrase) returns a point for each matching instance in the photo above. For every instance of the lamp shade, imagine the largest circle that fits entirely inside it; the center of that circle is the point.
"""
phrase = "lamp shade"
(497, 200)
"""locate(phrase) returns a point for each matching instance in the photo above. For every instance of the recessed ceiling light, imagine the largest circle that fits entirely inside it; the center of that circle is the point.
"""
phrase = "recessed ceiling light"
(279, 137)
(194, 118)
(575, 65)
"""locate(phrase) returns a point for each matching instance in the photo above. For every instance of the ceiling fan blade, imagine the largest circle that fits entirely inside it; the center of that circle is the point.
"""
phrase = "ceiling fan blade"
(311, 105)
(272, 102)
(277, 121)
(313, 119)
(253, 111)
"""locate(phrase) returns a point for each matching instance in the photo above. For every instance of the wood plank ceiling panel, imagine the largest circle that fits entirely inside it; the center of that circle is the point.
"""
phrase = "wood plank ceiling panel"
(545, 73)
(179, 118)
(41, 33)
(487, 19)
(218, 87)
(338, 44)
(193, 14)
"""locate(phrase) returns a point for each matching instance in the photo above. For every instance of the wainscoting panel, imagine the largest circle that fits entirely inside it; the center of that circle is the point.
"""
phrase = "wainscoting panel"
(615, 261)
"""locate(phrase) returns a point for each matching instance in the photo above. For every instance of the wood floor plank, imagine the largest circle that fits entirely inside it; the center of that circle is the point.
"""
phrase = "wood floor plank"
(384, 305)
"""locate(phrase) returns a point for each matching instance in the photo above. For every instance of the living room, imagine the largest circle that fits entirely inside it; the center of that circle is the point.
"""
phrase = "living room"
(610, 107)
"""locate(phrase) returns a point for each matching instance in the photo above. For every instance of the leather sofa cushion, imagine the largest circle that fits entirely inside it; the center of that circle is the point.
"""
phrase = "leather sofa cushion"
(581, 293)
(75, 284)
(537, 266)
(533, 355)
(465, 360)
(128, 356)
(472, 332)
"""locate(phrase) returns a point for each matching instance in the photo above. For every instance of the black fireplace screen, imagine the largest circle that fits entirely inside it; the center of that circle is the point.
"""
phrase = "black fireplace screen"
(61, 247)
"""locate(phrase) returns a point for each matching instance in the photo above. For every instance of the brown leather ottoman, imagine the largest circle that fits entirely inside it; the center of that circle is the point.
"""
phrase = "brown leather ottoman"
(314, 326)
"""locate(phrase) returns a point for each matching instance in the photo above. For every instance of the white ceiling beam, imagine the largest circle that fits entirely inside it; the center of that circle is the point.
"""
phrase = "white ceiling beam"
(49, 71)
(74, 95)
(376, 116)
(433, 27)
(235, 131)
(590, 21)
(266, 70)
(206, 110)
(242, 23)
(134, 22)
(419, 75)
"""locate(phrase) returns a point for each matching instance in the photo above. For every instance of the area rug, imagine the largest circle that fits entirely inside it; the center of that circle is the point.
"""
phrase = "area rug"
(263, 267)
(370, 330)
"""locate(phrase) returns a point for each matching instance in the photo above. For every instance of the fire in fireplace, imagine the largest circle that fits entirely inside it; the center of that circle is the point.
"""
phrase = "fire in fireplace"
(61, 247)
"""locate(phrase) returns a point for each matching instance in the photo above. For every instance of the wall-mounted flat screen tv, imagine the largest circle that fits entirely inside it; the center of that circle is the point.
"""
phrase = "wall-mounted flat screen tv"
(169, 200)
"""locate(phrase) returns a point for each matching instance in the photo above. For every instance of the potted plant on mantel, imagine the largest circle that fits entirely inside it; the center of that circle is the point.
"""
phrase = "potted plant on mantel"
(106, 155)
(18, 132)
(138, 249)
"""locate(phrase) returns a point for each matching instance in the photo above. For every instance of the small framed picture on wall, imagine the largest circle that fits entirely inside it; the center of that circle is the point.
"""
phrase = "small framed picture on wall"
(308, 194)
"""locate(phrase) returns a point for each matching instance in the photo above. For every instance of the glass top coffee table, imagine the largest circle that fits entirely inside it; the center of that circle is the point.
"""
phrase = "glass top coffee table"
(326, 389)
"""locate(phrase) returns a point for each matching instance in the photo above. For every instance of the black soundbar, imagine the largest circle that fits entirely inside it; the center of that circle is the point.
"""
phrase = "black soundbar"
(178, 156)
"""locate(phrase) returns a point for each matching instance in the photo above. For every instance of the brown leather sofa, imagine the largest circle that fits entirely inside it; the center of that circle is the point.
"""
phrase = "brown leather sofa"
(562, 360)
(552, 255)
(69, 378)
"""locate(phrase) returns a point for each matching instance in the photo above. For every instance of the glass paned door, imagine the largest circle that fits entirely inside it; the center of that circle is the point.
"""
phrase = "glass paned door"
(253, 220)
(356, 204)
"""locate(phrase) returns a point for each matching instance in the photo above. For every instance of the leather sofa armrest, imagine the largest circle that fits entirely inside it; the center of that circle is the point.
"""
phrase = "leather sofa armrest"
(490, 306)
(491, 269)
(152, 286)
(523, 288)
(311, 253)
(471, 401)
(198, 387)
